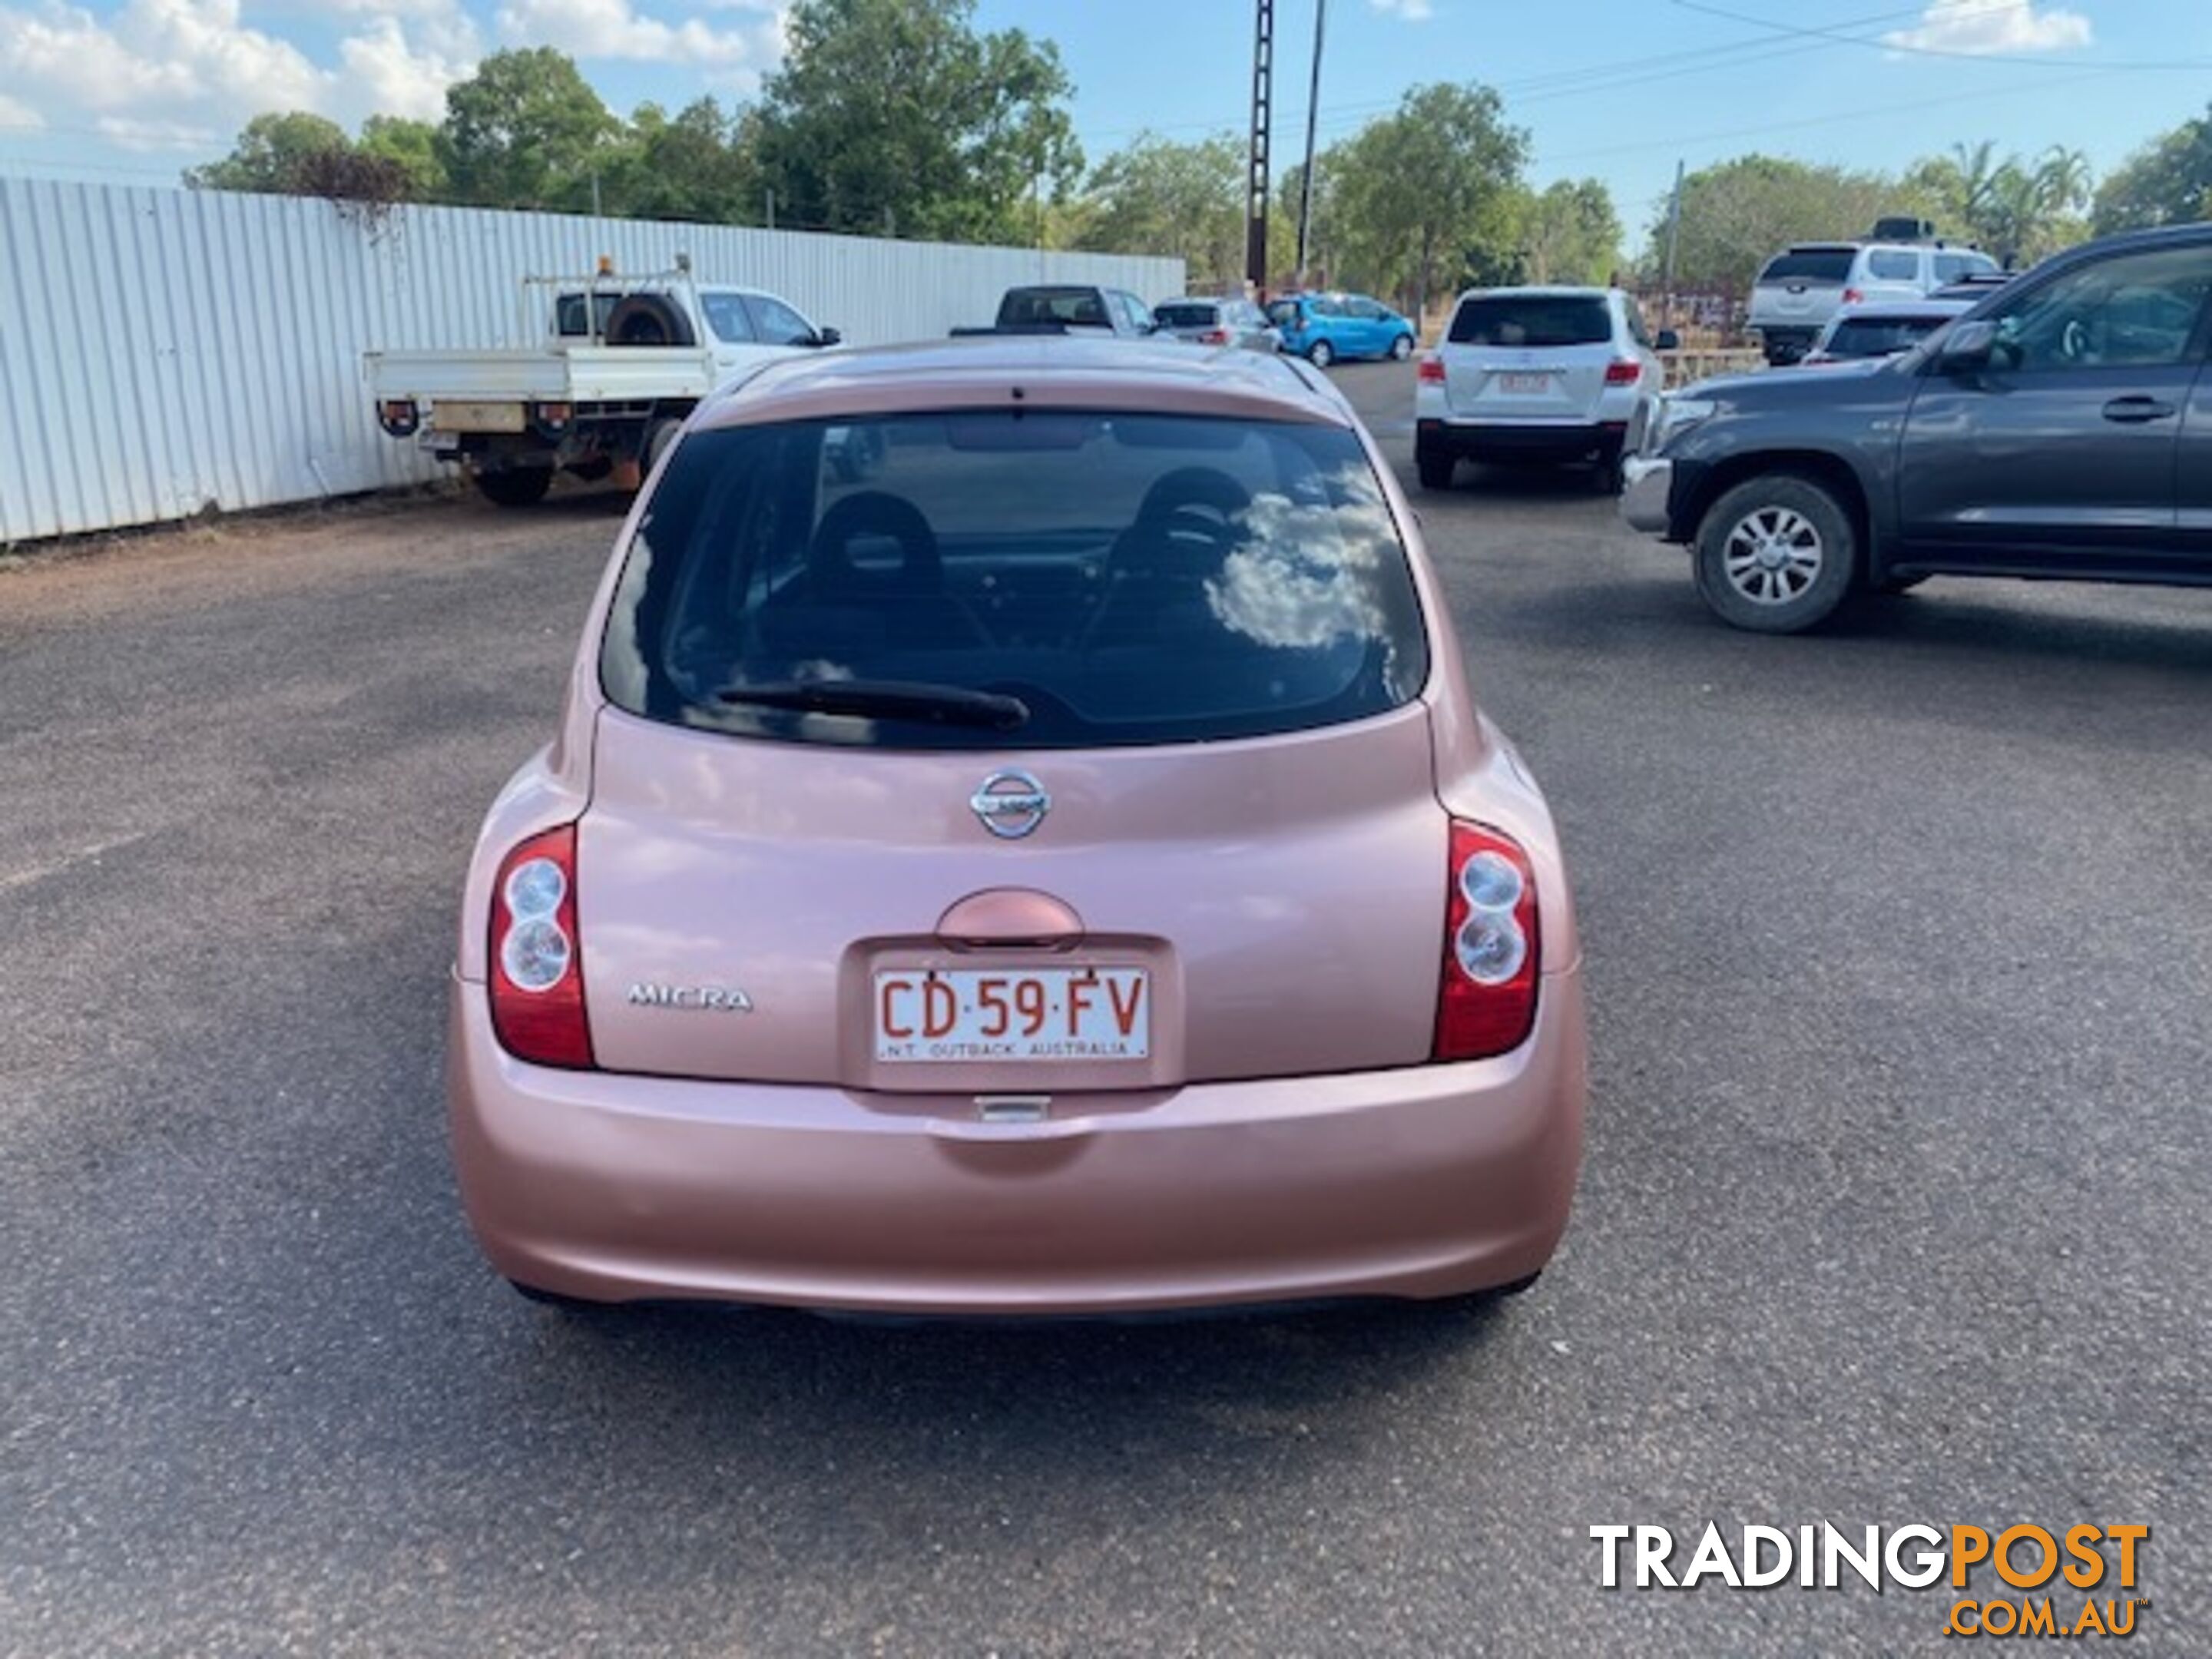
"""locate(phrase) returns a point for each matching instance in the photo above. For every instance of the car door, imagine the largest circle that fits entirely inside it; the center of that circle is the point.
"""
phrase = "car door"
(731, 336)
(1370, 327)
(779, 326)
(2063, 449)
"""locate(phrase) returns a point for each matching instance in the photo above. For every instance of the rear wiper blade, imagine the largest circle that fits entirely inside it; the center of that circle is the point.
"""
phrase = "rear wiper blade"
(897, 700)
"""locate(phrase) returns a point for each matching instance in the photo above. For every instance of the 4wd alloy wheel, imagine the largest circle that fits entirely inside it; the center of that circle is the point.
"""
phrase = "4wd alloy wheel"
(1775, 554)
(1772, 556)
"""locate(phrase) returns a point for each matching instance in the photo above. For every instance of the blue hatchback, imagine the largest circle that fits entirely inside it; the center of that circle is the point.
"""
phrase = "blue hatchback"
(1324, 328)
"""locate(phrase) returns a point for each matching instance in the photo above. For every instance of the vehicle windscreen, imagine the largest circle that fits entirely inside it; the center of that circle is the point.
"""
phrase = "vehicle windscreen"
(1532, 320)
(1190, 316)
(1000, 580)
(1809, 264)
(1081, 306)
(1880, 337)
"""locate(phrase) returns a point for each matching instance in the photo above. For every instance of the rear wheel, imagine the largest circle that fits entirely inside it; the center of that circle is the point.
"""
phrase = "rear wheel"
(1322, 354)
(1401, 348)
(1610, 475)
(520, 486)
(1776, 553)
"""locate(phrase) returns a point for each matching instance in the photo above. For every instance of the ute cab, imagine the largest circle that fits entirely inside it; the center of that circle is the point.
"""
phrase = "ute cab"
(1060, 870)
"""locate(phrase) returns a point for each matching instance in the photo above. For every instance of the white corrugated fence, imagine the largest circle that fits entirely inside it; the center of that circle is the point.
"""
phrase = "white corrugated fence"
(166, 352)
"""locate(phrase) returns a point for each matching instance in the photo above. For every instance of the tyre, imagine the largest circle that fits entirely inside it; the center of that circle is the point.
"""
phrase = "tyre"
(1776, 553)
(1436, 470)
(648, 319)
(1401, 348)
(1610, 476)
(519, 486)
(1321, 354)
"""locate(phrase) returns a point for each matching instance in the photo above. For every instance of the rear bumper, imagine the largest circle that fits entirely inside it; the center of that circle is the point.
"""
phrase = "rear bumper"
(1429, 1181)
(1476, 440)
(1644, 498)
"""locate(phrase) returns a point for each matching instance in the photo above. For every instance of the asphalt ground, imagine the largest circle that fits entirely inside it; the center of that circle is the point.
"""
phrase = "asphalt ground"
(1899, 955)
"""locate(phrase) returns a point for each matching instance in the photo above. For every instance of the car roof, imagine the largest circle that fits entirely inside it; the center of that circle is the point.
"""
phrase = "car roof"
(1539, 291)
(1030, 371)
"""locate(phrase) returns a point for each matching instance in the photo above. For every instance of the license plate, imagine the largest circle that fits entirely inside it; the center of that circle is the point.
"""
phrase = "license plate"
(1534, 385)
(476, 418)
(987, 1015)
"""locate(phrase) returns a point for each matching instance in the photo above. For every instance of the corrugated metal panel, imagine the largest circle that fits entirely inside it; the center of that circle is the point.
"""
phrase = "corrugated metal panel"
(165, 352)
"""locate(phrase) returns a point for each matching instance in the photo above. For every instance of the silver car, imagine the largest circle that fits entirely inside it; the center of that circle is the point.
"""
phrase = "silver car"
(1217, 322)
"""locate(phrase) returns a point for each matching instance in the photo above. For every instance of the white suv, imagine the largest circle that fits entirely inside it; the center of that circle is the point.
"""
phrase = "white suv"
(1803, 286)
(1536, 373)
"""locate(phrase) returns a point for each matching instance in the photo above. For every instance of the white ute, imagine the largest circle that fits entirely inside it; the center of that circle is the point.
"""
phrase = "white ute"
(626, 359)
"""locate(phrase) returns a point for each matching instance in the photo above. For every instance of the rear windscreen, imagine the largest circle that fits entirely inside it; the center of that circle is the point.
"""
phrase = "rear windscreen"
(1175, 316)
(1083, 307)
(1532, 320)
(1098, 578)
(1809, 264)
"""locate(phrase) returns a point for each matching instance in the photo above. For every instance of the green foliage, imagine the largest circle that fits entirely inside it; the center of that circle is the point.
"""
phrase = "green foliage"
(1419, 196)
(1186, 201)
(2167, 182)
(526, 131)
(412, 147)
(1738, 214)
(1568, 233)
(896, 115)
(2016, 209)
(270, 154)
(700, 165)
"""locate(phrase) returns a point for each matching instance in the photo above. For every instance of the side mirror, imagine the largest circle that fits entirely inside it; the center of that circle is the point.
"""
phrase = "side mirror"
(828, 336)
(1968, 347)
(1668, 340)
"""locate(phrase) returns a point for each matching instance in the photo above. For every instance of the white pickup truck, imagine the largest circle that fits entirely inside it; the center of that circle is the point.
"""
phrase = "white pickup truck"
(626, 359)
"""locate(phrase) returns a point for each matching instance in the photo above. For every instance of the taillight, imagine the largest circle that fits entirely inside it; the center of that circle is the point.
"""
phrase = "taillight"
(1854, 295)
(552, 418)
(1623, 371)
(536, 955)
(1486, 1004)
(1214, 337)
(400, 416)
(1431, 371)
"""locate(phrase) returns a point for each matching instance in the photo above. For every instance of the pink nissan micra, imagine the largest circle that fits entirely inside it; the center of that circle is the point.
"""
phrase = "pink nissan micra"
(1020, 841)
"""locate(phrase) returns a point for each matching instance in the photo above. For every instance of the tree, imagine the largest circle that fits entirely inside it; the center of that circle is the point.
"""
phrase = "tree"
(896, 115)
(1737, 215)
(526, 131)
(699, 165)
(411, 146)
(2016, 209)
(1183, 200)
(2167, 182)
(1569, 234)
(1417, 195)
(270, 154)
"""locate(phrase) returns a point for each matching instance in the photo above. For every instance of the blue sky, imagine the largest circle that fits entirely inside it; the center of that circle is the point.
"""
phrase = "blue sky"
(135, 90)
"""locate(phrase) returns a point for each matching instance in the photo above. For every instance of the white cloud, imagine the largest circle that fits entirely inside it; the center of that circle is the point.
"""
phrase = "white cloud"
(617, 29)
(1412, 11)
(1993, 25)
(16, 116)
(187, 74)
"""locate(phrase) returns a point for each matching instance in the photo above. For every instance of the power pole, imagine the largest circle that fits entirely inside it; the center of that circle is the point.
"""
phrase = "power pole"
(1313, 116)
(1255, 181)
(1674, 236)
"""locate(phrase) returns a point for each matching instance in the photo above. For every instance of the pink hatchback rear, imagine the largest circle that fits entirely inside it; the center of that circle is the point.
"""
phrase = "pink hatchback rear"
(1020, 841)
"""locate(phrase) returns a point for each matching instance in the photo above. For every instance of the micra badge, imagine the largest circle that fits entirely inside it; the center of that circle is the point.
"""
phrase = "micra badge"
(692, 998)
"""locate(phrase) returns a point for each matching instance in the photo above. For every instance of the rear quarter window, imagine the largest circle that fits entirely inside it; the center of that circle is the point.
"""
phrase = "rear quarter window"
(1128, 577)
(1532, 320)
(1175, 316)
(1894, 265)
